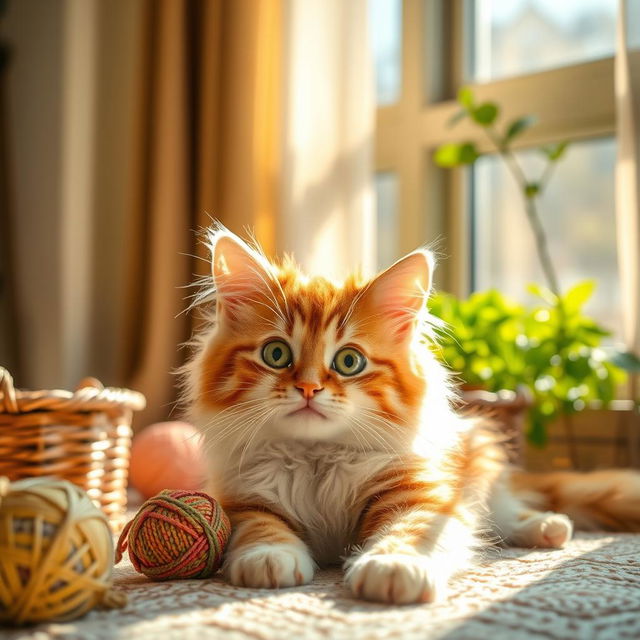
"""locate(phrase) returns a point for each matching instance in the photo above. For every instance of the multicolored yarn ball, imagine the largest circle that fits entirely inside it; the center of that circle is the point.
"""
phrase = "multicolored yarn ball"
(176, 534)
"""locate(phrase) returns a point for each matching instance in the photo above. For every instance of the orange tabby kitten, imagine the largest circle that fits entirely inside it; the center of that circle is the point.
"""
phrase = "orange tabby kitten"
(331, 437)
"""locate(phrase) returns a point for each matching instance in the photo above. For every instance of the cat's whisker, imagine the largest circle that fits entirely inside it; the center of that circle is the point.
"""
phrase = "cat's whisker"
(390, 429)
(239, 280)
(257, 428)
(257, 419)
(244, 429)
(372, 432)
(362, 322)
(193, 255)
(353, 304)
(235, 408)
(260, 303)
(284, 297)
(235, 418)
(385, 423)
(383, 415)
(272, 297)
(235, 424)
(270, 272)
(361, 442)
(228, 427)
(382, 437)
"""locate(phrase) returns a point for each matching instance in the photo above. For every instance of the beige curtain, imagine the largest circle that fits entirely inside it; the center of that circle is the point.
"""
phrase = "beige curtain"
(133, 123)
(205, 148)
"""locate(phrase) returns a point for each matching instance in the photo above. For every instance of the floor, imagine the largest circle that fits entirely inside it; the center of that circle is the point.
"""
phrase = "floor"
(590, 590)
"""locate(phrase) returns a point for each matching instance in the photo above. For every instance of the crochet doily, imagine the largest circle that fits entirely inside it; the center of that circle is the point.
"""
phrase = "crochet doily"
(590, 590)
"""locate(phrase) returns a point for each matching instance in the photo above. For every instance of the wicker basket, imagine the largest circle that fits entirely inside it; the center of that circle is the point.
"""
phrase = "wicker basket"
(507, 410)
(83, 437)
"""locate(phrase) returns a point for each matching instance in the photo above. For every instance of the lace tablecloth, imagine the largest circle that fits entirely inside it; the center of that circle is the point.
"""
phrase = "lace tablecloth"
(590, 590)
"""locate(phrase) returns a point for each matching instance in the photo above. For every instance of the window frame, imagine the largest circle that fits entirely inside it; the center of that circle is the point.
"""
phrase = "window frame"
(433, 203)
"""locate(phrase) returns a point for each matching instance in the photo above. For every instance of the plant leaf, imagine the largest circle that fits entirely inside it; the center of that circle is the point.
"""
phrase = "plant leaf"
(555, 151)
(542, 292)
(576, 297)
(491, 341)
(485, 114)
(454, 154)
(465, 97)
(517, 127)
(626, 360)
(447, 155)
(532, 189)
(468, 153)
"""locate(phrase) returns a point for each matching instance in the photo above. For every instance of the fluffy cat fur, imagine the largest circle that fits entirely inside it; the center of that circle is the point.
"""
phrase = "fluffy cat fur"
(373, 469)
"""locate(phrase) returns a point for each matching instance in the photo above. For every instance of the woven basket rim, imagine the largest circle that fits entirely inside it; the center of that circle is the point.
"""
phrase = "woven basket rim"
(89, 396)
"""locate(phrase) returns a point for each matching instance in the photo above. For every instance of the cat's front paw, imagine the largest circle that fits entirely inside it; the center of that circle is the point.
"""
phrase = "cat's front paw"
(269, 566)
(395, 578)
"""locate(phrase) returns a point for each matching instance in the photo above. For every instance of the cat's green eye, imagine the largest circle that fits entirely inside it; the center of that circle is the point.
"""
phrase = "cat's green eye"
(277, 354)
(349, 361)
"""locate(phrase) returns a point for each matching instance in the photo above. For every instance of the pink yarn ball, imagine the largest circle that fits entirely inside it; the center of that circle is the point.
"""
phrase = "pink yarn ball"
(167, 455)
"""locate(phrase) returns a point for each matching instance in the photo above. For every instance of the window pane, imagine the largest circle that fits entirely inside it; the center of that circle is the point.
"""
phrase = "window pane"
(512, 37)
(385, 19)
(633, 23)
(387, 218)
(577, 212)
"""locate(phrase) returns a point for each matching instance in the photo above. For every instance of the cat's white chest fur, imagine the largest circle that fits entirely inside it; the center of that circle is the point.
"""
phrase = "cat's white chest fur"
(318, 486)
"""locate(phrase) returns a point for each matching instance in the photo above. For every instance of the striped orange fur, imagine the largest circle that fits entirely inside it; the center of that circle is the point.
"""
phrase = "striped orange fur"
(331, 437)
(606, 500)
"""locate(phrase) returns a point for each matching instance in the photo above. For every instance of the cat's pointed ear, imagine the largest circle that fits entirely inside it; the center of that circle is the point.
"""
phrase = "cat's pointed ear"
(241, 274)
(396, 296)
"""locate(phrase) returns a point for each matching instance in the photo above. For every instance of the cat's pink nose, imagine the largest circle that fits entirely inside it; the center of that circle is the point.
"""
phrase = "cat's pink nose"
(308, 389)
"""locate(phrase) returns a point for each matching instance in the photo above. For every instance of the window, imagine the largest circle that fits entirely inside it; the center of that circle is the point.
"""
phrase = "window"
(386, 193)
(386, 35)
(549, 58)
(578, 213)
(512, 37)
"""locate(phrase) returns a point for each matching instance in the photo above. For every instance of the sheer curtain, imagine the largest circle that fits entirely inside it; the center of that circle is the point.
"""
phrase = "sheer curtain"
(627, 80)
(627, 83)
(327, 139)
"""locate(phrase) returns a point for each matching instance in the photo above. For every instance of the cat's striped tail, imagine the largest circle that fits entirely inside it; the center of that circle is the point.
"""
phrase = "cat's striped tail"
(597, 500)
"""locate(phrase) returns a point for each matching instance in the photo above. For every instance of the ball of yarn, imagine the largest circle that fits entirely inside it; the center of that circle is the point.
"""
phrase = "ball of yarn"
(56, 552)
(167, 454)
(176, 534)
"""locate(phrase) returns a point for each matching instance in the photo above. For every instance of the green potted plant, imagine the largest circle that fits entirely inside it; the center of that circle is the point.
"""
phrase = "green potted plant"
(496, 343)
(552, 348)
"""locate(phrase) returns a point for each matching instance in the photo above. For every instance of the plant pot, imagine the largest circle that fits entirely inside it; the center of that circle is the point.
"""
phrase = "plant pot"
(507, 409)
(598, 438)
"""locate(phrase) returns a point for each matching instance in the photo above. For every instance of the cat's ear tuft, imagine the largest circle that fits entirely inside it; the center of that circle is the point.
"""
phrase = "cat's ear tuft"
(397, 295)
(241, 274)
